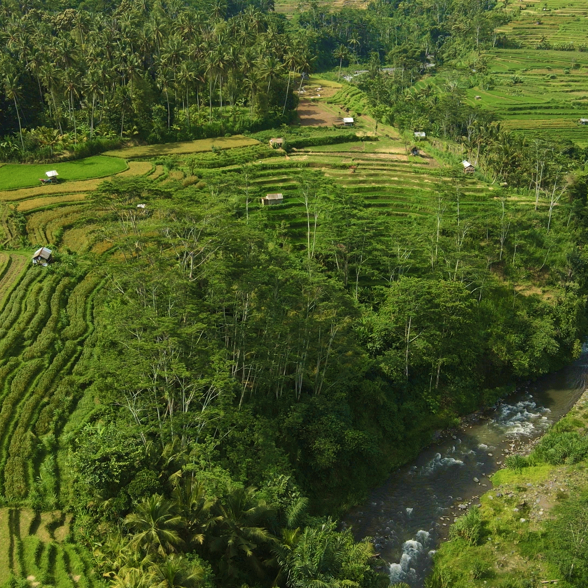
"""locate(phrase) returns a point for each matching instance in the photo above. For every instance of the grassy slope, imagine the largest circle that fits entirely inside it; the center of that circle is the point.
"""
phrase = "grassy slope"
(13, 176)
(514, 536)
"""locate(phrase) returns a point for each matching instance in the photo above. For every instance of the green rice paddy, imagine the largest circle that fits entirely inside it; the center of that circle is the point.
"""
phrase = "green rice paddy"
(559, 22)
(538, 92)
(13, 176)
(534, 90)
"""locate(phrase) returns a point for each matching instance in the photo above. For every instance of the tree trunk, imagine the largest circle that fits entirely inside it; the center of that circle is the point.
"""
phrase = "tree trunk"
(287, 92)
(19, 124)
(92, 117)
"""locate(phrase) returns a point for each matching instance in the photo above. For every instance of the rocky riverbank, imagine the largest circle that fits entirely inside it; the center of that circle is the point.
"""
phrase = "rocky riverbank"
(513, 535)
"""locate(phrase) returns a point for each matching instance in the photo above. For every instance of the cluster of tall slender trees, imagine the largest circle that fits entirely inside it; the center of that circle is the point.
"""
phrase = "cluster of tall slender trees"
(148, 70)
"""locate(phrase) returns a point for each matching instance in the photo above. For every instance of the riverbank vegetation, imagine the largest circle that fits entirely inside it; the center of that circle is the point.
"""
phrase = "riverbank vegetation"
(201, 383)
(530, 529)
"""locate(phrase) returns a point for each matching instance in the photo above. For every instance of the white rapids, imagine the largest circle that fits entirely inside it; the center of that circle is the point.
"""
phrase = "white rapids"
(414, 553)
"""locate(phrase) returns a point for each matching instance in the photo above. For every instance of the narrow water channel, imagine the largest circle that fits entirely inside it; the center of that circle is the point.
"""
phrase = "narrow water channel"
(412, 511)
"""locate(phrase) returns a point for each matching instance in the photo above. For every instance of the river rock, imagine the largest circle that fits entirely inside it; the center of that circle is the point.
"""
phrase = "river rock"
(476, 480)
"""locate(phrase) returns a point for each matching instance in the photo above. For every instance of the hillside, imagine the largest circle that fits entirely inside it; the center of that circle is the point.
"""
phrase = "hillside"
(203, 378)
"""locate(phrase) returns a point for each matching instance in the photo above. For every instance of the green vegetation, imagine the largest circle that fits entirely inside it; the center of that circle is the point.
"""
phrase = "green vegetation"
(14, 176)
(202, 382)
(538, 93)
(76, 83)
(531, 528)
(33, 546)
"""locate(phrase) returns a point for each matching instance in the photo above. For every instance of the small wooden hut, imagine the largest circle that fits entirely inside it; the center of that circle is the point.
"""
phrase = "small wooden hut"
(271, 199)
(468, 168)
(42, 257)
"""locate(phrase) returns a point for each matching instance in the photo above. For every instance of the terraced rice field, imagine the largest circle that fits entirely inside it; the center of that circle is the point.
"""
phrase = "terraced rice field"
(32, 546)
(377, 173)
(44, 324)
(289, 7)
(538, 91)
(51, 201)
(138, 168)
(12, 266)
(556, 21)
(43, 225)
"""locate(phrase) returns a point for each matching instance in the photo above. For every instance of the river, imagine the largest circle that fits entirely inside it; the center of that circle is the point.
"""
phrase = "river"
(411, 513)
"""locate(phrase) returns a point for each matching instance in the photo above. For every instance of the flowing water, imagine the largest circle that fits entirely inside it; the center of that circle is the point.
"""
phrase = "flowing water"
(412, 511)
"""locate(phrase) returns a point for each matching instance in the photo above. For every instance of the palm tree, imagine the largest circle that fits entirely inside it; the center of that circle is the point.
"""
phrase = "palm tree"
(71, 89)
(355, 43)
(269, 69)
(291, 62)
(185, 77)
(164, 82)
(340, 53)
(131, 578)
(93, 88)
(12, 90)
(176, 572)
(239, 530)
(190, 499)
(155, 525)
(315, 557)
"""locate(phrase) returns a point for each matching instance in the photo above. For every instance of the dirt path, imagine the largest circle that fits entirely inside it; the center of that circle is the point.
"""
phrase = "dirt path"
(313, 113)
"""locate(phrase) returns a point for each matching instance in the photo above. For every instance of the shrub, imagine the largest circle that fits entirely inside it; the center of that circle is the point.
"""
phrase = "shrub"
(324, 140)
(567, 535)
(468, 527)
(558, 448)
(516, 463)
(480, 570)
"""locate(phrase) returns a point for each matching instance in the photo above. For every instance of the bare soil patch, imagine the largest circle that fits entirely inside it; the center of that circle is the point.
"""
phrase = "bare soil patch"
(311, 112)
(314, 114)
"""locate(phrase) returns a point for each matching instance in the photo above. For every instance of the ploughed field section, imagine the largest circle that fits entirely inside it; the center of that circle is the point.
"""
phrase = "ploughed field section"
(33, 546)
